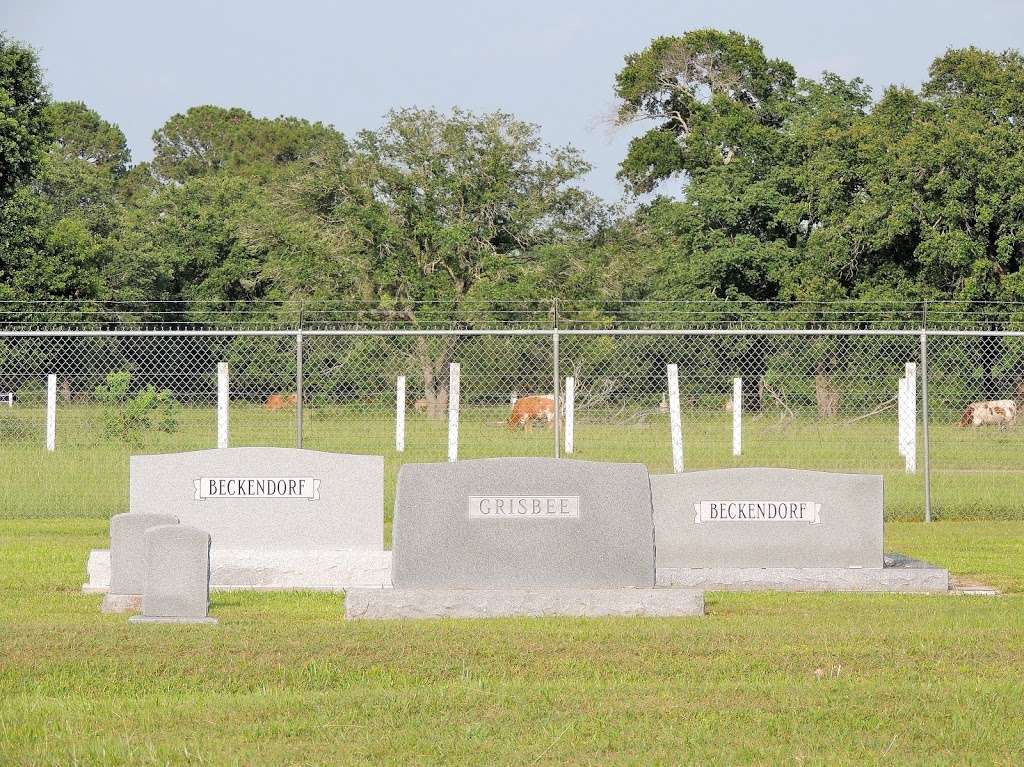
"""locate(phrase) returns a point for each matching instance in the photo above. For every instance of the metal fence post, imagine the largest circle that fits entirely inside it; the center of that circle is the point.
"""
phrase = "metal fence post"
(299, 388)
(556, 382)
(924, 434)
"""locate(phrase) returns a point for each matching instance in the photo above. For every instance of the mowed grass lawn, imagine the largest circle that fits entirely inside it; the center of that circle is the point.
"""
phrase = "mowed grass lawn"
(761, 679)
(283, 679)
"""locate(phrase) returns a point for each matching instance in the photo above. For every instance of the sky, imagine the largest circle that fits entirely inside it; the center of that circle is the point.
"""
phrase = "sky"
(549, 62)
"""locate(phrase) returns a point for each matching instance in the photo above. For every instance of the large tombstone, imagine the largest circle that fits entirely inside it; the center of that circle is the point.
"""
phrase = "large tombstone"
(771, 528)
(279, 518)
(522, 536)
(269, 498)
(177, 586)
(128, 559)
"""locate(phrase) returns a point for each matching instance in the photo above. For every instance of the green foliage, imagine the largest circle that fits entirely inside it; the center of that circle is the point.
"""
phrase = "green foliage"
(24, 128)
(129, 416)
(81, 134)
(801, 189)
(184, 242)
(44, 255)
(59, 233)
(711, 94)
(432, 207)
(210, 139)
(787, 188)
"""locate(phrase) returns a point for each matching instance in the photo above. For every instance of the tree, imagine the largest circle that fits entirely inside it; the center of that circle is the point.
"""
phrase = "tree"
(430, 216)
(763, 155)
(210, 139)
(24, 129)
(184, 243)
(709, 92)
(60, 229)
(81, 134)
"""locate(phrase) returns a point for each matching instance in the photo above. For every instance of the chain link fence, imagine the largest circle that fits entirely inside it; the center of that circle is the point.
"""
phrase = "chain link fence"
(811, 398)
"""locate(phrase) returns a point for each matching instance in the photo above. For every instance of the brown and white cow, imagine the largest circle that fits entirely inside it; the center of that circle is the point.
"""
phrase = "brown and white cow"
(280, 401)
(536, 407)
(996, 412)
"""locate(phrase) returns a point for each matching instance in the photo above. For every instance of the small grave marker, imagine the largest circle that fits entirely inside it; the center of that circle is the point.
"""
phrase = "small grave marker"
(128, 558)
(177, 576)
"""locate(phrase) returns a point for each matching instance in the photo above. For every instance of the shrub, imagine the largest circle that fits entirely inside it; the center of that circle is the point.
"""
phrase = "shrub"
(131, 417)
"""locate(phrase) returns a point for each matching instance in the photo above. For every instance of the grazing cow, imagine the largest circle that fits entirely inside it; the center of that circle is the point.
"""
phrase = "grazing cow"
(998, 412)
(536, 407)
(280, 401)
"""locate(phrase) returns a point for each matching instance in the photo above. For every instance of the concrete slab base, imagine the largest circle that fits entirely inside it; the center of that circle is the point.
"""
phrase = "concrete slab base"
(144, 619)
(121, 603)
(899, 574)
(321, 569)
(492, 603)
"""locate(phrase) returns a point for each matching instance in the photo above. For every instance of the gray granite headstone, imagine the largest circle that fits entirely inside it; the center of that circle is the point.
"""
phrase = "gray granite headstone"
(767, 518)
(177, 575)
(128, 549)
(267, 498)
(515, 523)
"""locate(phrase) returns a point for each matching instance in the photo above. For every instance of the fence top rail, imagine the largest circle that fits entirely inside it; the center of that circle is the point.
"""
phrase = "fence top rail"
(548, 332)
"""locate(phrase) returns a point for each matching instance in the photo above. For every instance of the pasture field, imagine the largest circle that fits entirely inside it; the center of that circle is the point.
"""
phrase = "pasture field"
(976, 473)
(762, 679)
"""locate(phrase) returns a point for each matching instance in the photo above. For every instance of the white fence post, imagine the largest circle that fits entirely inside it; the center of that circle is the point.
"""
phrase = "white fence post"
(400, 414)
(911, 407)
(453, 411)
(737, 416)
(674, 420)
(901, 415)
(570, 413)
(911, 376)
(223, 396)
(907, 418)
(10, 399)
(51, 412)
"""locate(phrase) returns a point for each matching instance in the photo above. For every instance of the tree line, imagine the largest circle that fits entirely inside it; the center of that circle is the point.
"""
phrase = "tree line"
(751, 183)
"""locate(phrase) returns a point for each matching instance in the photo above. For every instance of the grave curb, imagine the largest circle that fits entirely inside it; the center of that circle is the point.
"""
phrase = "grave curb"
(375, 604)
(909, 576)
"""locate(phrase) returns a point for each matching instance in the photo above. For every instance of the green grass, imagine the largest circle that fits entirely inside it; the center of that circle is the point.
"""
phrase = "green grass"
(762, 679)
(976, 473)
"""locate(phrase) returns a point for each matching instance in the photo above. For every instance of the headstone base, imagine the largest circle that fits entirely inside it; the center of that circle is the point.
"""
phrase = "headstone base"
(144, 619)
(121, 603)
(900, 574)
(494, 603)
(325, 570)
